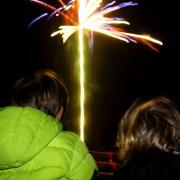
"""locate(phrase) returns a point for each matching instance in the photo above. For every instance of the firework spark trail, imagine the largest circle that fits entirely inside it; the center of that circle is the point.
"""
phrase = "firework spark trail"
(37, 19)
(90, 15)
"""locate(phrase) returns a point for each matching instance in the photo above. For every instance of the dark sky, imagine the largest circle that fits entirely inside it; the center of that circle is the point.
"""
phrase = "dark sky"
(116, 72)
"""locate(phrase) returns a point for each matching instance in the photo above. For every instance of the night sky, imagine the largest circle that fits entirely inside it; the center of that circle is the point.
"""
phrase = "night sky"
(116, 72)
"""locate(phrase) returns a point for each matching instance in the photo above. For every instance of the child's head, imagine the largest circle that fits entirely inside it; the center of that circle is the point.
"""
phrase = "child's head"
(151, 124)
(43, 90)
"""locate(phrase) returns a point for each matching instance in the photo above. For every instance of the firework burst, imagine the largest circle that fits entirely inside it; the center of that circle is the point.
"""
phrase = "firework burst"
(93, 16)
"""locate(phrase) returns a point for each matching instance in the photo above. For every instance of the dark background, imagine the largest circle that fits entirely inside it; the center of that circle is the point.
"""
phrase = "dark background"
(116, 72)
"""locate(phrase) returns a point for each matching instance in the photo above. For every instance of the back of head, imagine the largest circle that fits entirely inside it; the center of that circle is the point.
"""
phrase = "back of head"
(43, 90)
(150, 124)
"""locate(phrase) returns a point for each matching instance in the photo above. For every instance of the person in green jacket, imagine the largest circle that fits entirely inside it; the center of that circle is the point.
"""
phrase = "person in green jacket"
(33, 144)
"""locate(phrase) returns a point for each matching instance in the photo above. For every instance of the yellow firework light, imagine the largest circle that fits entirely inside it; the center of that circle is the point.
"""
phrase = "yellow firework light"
(82, 92)
(93, 16)
(81, 65)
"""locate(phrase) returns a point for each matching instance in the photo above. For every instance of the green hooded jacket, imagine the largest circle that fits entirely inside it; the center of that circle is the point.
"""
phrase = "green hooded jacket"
(33, 146)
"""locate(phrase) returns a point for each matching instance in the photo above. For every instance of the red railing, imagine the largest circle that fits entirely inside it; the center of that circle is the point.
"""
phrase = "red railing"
(107, 162)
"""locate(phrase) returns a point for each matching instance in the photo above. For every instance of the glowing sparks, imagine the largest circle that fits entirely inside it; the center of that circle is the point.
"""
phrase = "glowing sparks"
(91, 15)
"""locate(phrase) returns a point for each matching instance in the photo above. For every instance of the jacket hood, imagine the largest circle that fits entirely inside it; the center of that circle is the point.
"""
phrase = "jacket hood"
(24, 133)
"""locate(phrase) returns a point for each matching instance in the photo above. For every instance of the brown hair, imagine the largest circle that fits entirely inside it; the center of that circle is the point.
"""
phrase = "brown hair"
(150, 124)
(43, 89)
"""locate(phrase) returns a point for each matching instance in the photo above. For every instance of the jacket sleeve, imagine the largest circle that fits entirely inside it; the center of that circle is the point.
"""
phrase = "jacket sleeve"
(83, 165)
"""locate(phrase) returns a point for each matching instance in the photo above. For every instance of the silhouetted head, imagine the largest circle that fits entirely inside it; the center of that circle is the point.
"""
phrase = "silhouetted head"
(44, 90)
(150, 124)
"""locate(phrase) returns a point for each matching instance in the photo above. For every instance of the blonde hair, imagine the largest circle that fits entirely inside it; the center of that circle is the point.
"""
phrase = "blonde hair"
(151, 124)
